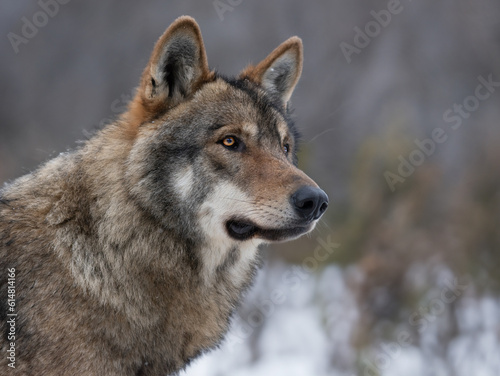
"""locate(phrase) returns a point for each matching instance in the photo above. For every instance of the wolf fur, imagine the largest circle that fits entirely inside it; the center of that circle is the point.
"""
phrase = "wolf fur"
(132, 252)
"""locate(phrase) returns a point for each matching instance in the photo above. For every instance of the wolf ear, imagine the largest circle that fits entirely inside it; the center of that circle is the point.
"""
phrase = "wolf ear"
(177, 66)
(279, 72)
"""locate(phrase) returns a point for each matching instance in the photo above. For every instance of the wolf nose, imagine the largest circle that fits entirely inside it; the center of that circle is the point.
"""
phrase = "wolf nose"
(309, 202)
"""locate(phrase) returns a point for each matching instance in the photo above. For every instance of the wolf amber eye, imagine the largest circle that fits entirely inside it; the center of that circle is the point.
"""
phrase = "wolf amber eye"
(229, 141)
(232, 143)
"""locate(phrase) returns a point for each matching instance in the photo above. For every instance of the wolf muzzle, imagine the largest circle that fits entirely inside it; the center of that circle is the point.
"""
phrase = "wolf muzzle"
(309, 202)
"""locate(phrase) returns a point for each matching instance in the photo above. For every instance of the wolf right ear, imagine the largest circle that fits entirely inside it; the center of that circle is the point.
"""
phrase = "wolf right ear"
(280, 71)
(177, 66)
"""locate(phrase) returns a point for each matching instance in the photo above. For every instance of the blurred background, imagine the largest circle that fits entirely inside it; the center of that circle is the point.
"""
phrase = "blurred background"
(399, 107)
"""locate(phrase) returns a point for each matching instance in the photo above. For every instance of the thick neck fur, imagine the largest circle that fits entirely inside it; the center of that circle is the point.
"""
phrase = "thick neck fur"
(123, 263)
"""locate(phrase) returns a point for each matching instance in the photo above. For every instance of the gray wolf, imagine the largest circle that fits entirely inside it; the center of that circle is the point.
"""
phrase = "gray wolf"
(129, 255)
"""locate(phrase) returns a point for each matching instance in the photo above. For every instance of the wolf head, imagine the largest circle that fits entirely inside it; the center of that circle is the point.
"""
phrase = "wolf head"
(218, 154)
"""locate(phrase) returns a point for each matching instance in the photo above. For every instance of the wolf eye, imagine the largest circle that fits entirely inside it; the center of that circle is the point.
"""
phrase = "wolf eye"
(286, 148)
(232, 143)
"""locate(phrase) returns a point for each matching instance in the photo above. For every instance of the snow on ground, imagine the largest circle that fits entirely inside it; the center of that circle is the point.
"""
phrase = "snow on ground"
(295, 335)
(296, 323)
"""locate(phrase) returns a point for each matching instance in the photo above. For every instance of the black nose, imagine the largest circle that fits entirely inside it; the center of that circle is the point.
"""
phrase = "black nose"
(309, 202)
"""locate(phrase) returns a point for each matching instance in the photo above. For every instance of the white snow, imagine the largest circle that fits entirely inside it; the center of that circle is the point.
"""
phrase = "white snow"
(308, 333)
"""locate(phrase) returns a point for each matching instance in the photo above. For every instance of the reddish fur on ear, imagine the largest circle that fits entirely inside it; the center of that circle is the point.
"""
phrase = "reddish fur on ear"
(185, 24)
(153, 96)
(292, 48)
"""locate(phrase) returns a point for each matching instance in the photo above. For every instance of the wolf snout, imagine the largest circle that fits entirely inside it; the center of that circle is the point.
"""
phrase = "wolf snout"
(309, 202)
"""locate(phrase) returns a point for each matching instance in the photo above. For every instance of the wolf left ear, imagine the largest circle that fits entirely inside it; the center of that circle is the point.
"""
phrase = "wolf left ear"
(177, 66)
(279, 72)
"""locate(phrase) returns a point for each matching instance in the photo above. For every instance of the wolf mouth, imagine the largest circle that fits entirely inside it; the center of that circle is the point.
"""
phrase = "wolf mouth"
(240, 229)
